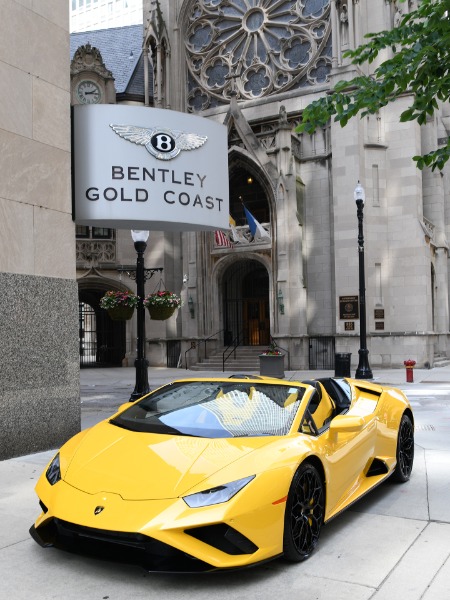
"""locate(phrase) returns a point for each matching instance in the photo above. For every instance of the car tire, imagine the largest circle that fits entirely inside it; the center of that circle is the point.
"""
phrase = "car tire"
(305, 511)
(405, 450)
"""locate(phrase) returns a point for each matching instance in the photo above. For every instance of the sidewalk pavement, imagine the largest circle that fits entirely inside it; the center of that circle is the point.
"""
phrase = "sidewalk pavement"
(121, 377)
(395, 543)
(103, 390)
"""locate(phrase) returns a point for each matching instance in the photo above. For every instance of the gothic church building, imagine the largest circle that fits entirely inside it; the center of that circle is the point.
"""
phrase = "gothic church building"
(254, 65)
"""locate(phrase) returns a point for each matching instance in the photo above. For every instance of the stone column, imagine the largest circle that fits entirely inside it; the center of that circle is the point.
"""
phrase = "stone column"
(434, 211)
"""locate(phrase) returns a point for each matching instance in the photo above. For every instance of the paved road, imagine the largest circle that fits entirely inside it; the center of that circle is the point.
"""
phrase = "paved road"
(393, 544)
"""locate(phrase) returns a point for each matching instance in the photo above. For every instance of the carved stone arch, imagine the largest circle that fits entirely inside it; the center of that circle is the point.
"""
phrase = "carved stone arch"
(157, 52)
(148, 51)
(242, 163)
(102, 342)
(236, 153)
(102, 284)
(242, 288)
(280, 194)
(150, 44)
(223, 263)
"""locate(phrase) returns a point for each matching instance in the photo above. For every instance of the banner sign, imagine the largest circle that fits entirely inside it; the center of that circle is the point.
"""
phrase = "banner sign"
(147, 168)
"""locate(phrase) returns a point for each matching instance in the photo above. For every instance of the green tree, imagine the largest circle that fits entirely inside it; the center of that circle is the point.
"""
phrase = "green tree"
(419, 66)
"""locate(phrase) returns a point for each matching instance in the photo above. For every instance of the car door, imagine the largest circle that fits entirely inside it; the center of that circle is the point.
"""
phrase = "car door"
(348, 447)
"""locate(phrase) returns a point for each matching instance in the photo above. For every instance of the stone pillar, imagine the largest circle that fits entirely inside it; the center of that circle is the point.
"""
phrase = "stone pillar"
(146, 79)
(434, 211)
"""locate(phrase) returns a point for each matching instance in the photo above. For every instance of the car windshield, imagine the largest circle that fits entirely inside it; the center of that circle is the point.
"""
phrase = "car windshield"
(218, 409)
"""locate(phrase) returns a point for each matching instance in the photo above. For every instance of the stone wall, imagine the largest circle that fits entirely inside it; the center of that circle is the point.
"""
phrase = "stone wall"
(39, 393)
(39, 383)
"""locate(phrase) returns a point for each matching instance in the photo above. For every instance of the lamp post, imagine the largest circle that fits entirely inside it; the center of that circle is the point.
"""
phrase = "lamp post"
(141, 363)
(140, 275)
(363, 371)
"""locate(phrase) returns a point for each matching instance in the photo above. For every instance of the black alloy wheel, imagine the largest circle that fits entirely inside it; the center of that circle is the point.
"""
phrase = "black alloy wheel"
(305, 511)
(405, 450)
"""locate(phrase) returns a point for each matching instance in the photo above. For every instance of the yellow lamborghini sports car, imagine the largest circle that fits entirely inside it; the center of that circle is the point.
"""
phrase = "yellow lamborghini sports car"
(207, 474)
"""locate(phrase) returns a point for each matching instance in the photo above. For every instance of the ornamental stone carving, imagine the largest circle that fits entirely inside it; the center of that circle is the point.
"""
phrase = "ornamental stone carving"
(88, 58)
(255, 48)
(96, 252)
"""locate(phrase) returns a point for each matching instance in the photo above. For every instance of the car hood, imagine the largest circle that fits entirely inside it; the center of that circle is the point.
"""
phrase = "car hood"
(149, 466)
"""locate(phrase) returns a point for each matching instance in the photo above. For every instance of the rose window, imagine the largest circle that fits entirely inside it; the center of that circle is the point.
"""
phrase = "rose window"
(255, 48)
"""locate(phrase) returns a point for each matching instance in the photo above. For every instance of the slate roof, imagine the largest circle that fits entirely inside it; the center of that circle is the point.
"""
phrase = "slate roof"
(121, 50)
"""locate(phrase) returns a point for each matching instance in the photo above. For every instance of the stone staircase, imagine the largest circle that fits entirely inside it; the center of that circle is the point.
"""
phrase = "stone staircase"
(246, 361)
(441, 360)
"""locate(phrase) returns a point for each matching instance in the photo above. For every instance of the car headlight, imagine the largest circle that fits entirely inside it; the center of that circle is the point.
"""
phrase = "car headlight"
(53, 472)
(217, 495)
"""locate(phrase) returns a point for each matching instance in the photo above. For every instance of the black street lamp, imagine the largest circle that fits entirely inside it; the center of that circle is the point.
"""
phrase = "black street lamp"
(363, 371)
(140, 275)
(141, 363)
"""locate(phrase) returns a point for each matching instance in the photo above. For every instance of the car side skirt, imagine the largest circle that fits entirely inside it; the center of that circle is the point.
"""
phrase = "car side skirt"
(375, 482)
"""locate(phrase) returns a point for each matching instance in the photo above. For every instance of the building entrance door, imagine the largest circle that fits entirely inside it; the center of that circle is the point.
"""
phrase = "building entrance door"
(256, 322)
(246, 304)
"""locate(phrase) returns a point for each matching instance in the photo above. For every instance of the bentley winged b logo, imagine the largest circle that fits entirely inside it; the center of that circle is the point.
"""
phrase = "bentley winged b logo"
(164, 144)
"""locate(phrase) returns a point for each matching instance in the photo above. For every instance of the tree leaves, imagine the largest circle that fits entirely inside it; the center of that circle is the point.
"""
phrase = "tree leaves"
(419, 68)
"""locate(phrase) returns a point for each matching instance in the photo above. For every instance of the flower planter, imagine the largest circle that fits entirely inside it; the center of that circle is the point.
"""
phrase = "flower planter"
(162, 304)
(271, 365)
(119, 305)
(161, 313)
(121, 313)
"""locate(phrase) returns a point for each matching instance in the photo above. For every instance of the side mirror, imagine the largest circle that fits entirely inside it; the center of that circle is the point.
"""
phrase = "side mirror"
(346, 424)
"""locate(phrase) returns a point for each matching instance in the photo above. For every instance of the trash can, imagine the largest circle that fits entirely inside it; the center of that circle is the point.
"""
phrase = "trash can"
(342, 364)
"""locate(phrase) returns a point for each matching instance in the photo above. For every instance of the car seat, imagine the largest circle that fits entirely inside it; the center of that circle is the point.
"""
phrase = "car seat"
(321, 406)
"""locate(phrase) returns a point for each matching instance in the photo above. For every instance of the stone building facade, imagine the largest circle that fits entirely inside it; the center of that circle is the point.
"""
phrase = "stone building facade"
(39, 380)
(254, 66)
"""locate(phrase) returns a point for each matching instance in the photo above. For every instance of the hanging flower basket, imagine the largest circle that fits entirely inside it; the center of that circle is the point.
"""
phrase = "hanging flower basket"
(120, 305)
(160, 313)
(121, 313)
(162, 304)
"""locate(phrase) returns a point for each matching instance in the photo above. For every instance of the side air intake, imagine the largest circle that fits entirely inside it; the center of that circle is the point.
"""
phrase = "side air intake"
(378, 467)
(224, 538)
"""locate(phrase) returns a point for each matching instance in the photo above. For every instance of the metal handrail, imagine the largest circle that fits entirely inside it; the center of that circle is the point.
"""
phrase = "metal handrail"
(234, 344)
(194, 345)
(208, 338)
(272, 341)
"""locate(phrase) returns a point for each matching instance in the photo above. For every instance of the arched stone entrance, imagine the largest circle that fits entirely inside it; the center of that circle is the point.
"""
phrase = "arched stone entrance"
(246, 306)
(248, 188)
(102, 341)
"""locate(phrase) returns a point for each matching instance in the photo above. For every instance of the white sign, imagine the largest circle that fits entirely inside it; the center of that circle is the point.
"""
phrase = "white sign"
(147, 168)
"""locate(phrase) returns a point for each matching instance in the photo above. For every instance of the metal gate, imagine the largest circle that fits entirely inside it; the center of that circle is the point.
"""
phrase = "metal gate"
(246, 304)
(102, 341)
(87, 335)
(321, 353)
(173, 353)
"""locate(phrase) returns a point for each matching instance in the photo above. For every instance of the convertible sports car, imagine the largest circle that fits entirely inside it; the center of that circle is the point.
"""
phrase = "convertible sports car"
(207, 474)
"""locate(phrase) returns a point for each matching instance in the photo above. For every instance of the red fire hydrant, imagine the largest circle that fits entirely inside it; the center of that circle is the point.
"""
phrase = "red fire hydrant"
(409, 364)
